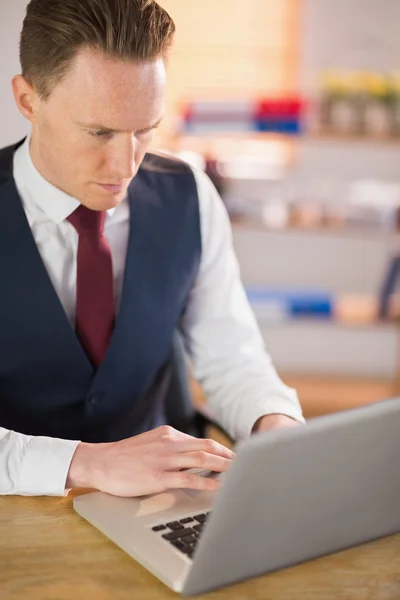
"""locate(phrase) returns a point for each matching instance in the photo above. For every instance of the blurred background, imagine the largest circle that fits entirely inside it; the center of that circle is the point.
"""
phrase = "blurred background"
(293, 109)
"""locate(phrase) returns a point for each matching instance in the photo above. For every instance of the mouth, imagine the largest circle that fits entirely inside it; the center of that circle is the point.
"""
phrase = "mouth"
(113, 189)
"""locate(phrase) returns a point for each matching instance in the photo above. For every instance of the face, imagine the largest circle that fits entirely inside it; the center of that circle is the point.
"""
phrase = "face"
(90, 137)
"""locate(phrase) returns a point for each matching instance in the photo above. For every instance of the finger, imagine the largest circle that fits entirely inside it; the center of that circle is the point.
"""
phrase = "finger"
(189, 481)
(199, 459)
(200, 445)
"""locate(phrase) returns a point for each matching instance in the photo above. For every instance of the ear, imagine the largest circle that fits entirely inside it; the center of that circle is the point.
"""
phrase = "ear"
(25, 97)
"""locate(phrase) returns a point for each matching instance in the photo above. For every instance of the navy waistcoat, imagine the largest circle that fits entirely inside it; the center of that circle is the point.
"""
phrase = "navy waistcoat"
(47, 383)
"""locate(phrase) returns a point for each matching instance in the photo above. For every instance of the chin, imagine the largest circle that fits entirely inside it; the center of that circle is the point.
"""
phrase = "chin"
(106, 203)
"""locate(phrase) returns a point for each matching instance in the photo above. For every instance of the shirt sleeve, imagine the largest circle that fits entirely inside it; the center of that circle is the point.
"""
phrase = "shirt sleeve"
(221, 335)
(34, 466)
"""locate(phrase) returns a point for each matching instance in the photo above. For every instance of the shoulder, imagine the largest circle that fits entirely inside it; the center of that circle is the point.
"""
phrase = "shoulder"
(161, 162)
(164, 163)
(181, 173)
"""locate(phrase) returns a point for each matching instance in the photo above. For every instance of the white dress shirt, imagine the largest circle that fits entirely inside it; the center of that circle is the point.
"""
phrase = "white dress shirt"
(219, 329)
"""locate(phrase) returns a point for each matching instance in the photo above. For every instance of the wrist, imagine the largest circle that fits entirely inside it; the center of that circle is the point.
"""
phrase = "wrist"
(273, 421)
(82, 469)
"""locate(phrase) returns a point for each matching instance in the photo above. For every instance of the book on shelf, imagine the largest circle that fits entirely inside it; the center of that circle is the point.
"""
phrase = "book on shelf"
(285, 304)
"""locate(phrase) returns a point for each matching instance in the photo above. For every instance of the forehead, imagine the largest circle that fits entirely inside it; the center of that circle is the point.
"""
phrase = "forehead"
(97, 85)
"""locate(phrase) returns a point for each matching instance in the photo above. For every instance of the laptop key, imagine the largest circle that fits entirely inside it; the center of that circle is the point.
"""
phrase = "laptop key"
(158, 528)
(173, 535)
(174, 525)
(189, 540)
(200, 518)
(179, 545)
(179, 533)
(198, 528)
(187, 532)
(187, 520)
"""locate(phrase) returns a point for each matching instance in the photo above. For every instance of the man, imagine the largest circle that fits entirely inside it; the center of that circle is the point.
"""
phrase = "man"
(105, 251)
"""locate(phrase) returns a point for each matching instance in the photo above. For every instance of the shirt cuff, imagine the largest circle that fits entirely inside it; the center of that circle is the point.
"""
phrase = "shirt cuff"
(272, 406)
(45, 467)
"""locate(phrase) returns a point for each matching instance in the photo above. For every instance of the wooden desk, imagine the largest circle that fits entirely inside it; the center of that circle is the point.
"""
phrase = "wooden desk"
(47, 552)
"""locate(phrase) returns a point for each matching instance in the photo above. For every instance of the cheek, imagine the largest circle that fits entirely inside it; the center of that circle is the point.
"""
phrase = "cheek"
(58, 159)
(86, 158)
(78, 164)
(67, 152)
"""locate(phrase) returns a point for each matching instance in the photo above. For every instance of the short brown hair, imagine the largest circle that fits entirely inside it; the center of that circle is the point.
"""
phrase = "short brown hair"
(55, 30)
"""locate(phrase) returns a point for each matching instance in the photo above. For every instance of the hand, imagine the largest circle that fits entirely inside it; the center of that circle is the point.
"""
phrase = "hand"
(274, 422)
(148, 463)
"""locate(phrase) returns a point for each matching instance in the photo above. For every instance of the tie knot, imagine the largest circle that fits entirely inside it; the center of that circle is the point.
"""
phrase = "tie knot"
(88, 221)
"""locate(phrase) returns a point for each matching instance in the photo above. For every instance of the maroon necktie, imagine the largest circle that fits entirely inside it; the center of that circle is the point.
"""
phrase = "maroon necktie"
(95, 313)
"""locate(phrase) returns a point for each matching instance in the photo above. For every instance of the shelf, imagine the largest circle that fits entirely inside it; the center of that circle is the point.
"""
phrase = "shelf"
(244, 224)
(321, 395)
(362, 322)
(281, 137)
(350, 139)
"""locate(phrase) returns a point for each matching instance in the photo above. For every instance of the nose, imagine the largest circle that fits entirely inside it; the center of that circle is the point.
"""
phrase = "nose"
(121, 161)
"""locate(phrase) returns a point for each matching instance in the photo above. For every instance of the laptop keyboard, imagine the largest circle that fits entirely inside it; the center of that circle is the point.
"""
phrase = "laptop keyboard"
(183, 534)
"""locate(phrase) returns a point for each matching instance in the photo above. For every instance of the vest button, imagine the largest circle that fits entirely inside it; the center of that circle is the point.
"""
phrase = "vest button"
(94, 399)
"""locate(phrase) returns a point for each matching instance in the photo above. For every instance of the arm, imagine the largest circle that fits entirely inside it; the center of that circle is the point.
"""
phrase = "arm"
(223, 339)
(145, 464)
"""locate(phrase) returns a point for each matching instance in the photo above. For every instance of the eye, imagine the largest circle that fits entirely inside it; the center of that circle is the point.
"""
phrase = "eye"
(144, 131)
(99, 134)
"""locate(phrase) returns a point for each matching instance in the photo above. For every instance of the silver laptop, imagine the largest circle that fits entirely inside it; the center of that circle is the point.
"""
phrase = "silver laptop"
(290, 496)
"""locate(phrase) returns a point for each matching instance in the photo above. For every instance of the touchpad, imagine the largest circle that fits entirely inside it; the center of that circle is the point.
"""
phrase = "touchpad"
(159, 503)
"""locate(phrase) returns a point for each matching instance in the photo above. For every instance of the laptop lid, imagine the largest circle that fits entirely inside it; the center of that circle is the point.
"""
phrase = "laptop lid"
(295, 494)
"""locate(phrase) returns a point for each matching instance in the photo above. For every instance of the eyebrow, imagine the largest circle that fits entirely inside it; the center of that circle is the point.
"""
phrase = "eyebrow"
(100, 127)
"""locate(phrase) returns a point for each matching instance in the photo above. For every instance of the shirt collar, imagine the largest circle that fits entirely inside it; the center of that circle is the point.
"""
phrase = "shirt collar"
(56, 204)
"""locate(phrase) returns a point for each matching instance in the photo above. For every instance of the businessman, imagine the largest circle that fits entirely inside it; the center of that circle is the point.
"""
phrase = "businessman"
(105, 251)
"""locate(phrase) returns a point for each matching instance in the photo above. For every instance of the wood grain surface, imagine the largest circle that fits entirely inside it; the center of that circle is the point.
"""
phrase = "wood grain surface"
(48, 552)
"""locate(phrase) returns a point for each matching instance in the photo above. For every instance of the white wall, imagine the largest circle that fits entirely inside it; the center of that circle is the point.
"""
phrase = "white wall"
(13, 126)
(348, 34)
